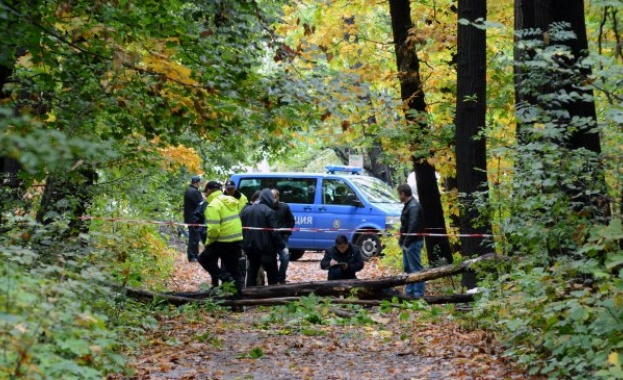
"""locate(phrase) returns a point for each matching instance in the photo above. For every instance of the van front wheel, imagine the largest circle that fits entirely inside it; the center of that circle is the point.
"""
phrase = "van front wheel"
(369, 244)
(296, 254)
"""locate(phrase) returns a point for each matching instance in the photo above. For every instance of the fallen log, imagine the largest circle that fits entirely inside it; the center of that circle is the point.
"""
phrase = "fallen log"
(147, 296)
(431, 300)
(370, 288)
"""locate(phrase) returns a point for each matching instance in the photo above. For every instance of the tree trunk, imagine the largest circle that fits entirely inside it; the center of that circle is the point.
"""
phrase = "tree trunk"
(69, 195)
(412, 93)
(10, 184)
(471, 155)
(540, 17)
(360, 288)
(364, 289)
(146, 296)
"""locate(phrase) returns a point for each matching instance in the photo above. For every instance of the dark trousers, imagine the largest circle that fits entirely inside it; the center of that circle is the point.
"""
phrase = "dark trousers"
(193, 243)
(336, 273)
(267, 260)
(230, 254)
(284, 261)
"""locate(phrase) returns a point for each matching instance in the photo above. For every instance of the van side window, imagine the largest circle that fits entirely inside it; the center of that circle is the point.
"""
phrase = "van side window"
(297, 190)
(291, 190)
(336, 192)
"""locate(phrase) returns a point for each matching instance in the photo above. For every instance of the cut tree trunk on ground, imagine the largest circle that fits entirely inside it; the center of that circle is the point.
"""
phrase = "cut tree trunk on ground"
(431, 300)
(370, 289)
(373, 289)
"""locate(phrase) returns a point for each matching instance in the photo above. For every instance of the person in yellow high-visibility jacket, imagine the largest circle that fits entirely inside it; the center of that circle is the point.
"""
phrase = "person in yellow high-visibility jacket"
(224, 236)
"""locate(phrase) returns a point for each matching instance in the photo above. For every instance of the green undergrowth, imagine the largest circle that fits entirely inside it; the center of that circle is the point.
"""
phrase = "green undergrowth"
(61, 314)
(561, 319)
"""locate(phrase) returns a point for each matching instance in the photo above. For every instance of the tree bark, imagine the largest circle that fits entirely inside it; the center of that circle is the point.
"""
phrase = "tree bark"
(540, 17)
(146, 296)
(359, 288)
(76, 192)
(10, 184)
(414, 105)
(471, 153)
(368, 292)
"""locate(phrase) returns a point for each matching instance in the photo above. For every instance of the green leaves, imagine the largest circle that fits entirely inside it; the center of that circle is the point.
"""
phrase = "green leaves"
(51, 325)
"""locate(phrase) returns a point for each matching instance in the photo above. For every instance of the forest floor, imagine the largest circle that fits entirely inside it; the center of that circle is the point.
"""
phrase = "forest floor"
(275, 343)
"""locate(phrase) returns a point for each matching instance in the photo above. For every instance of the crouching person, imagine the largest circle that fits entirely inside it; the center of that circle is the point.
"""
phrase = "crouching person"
(342, 260)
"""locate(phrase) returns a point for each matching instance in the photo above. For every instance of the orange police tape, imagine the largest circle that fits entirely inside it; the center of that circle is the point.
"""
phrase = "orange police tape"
(364, 231)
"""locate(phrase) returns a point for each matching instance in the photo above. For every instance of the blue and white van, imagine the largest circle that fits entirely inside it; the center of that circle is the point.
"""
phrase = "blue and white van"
(340, 201)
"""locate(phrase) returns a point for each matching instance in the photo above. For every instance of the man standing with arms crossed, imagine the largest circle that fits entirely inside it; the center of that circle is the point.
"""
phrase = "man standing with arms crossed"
(192, 198)
(411, 223)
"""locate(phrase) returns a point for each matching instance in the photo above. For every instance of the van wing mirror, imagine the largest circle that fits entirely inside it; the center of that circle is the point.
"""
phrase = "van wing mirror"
(352, 200)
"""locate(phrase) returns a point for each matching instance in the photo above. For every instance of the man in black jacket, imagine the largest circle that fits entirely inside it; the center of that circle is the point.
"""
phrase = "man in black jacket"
(285, 219)
(342, 260)
(260, 239)
(192, 198)
(411, 224)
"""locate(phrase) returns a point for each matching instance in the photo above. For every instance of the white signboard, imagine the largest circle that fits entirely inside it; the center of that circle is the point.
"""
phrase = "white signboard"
(355, 160)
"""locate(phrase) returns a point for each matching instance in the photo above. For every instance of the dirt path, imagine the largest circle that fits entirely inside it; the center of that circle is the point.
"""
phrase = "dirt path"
(265, 343)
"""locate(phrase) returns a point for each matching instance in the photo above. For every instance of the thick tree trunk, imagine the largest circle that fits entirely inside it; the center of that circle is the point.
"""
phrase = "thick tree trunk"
(10, 184)
(540, 17)
(68, 195)
(360, 288)
(412, 93)
(146, 296)
(365, 290)
(471, 155)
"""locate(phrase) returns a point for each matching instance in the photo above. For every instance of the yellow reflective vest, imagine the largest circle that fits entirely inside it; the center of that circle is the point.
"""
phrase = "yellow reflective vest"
(223, 219)
(242, 202)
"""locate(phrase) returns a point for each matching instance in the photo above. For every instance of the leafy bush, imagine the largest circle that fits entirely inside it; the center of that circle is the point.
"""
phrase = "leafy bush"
(564, 320)
(134, 254)
(51, 326)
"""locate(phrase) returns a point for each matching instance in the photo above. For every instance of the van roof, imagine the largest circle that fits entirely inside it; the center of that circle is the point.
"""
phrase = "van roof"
(293, 174)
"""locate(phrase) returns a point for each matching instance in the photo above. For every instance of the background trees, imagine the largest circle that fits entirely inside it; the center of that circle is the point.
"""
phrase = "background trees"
(108, 106)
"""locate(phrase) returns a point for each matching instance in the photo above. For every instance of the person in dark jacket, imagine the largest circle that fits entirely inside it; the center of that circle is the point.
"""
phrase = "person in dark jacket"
(285, 219)
(261, 240)
(342, 260)
(192, 198)
(411, 224)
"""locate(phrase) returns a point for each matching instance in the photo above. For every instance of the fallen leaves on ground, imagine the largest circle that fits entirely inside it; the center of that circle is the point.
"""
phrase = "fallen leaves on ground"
(397, 345)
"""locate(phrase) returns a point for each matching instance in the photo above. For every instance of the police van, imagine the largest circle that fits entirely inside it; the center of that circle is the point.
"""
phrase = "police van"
(340, 201)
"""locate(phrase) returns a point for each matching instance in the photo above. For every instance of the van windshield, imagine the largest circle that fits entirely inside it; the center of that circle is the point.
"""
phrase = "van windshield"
(375, 190)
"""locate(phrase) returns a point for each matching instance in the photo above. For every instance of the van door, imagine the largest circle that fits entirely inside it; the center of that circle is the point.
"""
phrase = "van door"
(300, 195)
(336, 212)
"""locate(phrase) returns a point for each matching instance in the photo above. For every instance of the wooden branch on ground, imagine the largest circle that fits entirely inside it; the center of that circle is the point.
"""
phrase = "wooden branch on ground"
(372, 289)
(432, 300)
(360, 288)
(147, 296)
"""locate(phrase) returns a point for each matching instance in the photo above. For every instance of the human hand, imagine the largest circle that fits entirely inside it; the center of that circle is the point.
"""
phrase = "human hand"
(333, 263)
(344, 266)
(286, 252)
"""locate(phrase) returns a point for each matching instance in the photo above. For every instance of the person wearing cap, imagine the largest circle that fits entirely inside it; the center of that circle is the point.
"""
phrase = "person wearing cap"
(192, 198)
(230, 189)
(224, 237)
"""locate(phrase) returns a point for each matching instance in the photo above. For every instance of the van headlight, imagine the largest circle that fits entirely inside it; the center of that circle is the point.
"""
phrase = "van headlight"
(391, 221)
